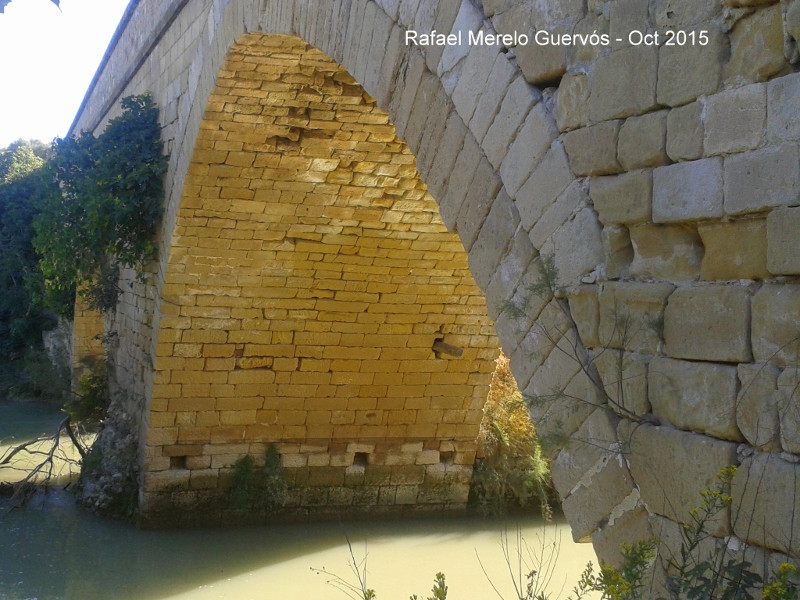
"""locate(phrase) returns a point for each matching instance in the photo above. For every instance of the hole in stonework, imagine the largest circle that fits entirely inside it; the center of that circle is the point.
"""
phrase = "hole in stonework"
(361, 459)
(550, 83)
(177, 462)
(446, 458)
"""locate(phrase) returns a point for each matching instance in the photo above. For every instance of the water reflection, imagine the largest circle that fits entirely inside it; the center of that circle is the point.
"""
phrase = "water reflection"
(53, 551)
(57, 552)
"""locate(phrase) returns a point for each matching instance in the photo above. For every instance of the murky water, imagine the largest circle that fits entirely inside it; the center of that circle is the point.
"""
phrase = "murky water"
(54, 551)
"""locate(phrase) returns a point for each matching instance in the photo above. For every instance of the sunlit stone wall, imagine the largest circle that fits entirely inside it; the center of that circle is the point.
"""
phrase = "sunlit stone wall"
(630, 211)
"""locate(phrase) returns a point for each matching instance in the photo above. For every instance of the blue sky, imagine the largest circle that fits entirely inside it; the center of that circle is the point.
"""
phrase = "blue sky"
(47, 59)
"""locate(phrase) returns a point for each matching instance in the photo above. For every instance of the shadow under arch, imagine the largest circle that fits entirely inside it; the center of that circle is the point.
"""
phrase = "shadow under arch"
(314, 299)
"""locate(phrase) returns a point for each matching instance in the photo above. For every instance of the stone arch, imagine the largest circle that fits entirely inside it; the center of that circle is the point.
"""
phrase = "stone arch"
(528, 148)
(474, 142)
(313, 299)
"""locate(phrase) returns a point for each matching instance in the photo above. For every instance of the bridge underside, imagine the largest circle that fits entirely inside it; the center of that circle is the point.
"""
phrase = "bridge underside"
(313, 299)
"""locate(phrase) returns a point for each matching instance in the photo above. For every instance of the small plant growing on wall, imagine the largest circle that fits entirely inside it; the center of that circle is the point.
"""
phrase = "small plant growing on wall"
(258, 487)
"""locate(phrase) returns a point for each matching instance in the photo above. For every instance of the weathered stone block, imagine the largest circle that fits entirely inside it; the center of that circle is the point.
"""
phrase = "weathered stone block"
(446, 13)
(481, 195)
(682, 14)
(688, 190)
(642, 141)
(574, 260)
(624, 377)
(546, 183)
(685, 132)
(626, 16)
(782, 121)
(789, 409)
(491, 99)
(469, 158)
(671, 541)
(671, 252)
(735, 250)
(594, 22)
(783, 242)
(776, 314)
(550, 326)
(678, 85)
(628, 528)
(631, 314)
(594, 441)
(541, 64)
(695, 396)
(766, 499)
(654, 451)
(447, 151)
(558, 213)
(757, 406)
(508, 274)
(762, 179)
(528, 148)
(624, 198)
(791, 20)
(474, 75)
(589, 506)
(757, 46)
(469, 18)
(618, 251)
(485, 254)
(736, 119)
(572, 101)
(609, 99)
(708, 323)
(584, 308)
(593, 150)
(520, 98)
(514, 323)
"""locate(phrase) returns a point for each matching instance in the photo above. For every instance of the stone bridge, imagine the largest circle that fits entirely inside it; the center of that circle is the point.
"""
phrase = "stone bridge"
(355, 223)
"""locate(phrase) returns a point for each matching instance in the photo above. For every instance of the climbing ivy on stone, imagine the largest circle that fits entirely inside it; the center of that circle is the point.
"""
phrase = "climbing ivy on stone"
(107, 212)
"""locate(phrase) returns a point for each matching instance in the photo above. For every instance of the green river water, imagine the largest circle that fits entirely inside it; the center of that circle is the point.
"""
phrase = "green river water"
(54, 551)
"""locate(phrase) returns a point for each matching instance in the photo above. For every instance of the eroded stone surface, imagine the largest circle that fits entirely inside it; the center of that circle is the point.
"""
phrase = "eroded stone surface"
(708, 323)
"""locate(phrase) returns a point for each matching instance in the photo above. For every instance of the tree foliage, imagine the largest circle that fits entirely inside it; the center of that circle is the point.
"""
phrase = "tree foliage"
(108, 209)
(71, 215)
(512, 469)
(23, 183)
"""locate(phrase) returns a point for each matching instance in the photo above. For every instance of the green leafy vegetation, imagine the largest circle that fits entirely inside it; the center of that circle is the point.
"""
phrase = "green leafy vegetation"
(89, 399)
(71, 216)
(106, 215)
(257, 487)
(511, 470)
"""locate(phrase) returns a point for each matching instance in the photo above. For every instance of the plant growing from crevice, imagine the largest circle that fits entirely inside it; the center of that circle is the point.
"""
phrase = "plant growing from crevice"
(257, 487)
(89, 400)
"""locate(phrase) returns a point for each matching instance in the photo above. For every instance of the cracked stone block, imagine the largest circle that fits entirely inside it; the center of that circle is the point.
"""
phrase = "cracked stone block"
(695, 396)
(653, 451)
(708, 323)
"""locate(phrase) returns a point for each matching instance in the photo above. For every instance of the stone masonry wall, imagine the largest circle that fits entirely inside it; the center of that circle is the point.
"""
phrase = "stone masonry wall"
(308, 280)
(628, 210)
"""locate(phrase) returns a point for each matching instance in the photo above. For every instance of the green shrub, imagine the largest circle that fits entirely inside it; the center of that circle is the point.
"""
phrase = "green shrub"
(90, 398)
(107, 211)
(258, 487)
(511, 469)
